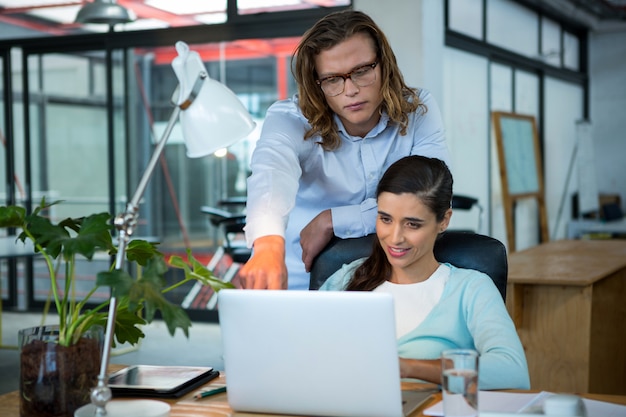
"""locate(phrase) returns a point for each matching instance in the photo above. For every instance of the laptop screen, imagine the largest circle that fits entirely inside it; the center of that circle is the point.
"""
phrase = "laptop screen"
(310, 352)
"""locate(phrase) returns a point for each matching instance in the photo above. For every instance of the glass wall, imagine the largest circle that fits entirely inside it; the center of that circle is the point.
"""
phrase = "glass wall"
(254, 71)
(89, 106)
(88, 111)
(70, 148)
(95, 116)
(69, 142)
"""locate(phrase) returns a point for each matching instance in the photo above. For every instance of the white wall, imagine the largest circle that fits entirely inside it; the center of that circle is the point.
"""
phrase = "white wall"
(467, 132)
(563, 108)
(608, 110)
(415, 29)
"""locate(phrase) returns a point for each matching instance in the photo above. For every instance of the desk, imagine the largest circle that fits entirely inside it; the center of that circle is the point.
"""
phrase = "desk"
(567, 301)
(218, 404)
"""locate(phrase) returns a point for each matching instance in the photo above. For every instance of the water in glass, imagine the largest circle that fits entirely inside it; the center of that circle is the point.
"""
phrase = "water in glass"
(460, 393)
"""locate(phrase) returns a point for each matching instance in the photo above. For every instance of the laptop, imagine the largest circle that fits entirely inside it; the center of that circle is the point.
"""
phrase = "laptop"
(312, 353)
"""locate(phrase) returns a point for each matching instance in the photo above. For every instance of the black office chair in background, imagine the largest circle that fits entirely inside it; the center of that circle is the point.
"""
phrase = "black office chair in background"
(228, 256)
(465, 203)
(461, 249)
(230, 224)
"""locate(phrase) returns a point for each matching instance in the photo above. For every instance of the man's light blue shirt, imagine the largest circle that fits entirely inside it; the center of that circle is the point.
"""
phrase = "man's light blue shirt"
(293, 179)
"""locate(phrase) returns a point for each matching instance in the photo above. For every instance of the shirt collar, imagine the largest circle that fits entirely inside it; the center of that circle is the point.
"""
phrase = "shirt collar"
(376, 130)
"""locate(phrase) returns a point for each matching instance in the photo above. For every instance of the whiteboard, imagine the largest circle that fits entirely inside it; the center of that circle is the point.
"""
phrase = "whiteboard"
(518, 142)
(520, 168)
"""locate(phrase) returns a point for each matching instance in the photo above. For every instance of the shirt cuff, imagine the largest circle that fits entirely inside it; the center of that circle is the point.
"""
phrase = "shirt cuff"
(263, 226)
(355, 220)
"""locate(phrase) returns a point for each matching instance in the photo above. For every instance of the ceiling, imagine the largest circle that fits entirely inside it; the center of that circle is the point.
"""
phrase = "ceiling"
(596, 15)
(56, 17)
(24, 18)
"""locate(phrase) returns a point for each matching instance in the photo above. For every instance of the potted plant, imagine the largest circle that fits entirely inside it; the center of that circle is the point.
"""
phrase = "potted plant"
(139, 299)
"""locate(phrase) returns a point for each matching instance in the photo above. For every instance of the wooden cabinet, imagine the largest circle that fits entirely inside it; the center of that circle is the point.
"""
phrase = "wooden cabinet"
(568, 301)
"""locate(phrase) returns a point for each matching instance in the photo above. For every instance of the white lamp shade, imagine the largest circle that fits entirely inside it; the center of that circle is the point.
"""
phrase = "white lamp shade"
(216, 118)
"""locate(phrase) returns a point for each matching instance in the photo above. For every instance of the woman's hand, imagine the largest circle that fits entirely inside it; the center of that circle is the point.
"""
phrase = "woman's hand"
(425, 369)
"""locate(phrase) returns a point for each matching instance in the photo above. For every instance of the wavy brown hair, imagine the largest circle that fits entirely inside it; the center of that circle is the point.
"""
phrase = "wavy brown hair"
(427, 178)
(398, 99)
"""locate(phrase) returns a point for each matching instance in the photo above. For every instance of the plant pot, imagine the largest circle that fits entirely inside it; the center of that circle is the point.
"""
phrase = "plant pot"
(56, 380)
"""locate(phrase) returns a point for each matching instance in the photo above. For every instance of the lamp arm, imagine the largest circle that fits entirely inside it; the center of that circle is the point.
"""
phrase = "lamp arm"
(125, 224)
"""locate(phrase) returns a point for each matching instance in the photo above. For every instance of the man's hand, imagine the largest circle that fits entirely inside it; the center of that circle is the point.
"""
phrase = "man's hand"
(266, 268)
(315, 236)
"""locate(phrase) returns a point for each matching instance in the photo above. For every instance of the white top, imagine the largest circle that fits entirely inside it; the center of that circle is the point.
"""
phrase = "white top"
(413, 302)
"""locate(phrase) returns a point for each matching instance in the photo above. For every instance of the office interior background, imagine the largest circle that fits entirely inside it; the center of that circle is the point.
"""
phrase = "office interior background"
(81, 105)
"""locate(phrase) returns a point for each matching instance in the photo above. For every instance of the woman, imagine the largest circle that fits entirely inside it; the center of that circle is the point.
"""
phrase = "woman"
(438, 306)
(321, 153)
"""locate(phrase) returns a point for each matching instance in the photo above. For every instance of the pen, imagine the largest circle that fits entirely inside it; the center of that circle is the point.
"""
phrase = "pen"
(209, 392)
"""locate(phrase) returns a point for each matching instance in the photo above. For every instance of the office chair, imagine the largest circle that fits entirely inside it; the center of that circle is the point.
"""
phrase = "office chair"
(466, 203)
(461, 249)
(231, 226)
(233, 246)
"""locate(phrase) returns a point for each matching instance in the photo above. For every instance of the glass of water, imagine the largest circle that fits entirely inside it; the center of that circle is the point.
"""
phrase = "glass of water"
(460, 382)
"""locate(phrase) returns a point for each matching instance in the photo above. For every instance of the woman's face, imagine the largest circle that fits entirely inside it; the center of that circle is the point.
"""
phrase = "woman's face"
(357, 107)
(407, 230)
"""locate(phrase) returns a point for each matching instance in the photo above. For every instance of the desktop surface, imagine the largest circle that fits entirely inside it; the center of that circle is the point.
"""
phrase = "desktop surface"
(188, 406)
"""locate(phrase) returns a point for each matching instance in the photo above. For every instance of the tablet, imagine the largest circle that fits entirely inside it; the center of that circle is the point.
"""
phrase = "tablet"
(159, 381)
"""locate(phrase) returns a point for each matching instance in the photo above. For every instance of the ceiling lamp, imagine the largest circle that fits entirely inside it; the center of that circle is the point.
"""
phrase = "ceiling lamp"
(104, 11)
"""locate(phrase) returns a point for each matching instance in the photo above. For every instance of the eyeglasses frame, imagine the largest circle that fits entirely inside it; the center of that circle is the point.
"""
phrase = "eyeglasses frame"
(345, 77)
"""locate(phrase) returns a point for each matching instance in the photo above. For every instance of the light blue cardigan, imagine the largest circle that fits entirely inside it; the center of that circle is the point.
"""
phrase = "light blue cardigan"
(470, 314)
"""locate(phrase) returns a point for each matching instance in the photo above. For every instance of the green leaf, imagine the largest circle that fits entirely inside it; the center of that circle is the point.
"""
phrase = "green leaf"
(141, 251)
(119, 280)
(149, 294)
(12, 216)
(175, 317)
(155, 270)
(94, 234)
(47, 235)
(126, 326)
(199, 272)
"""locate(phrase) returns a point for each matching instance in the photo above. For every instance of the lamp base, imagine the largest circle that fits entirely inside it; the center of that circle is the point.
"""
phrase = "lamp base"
(125, 408)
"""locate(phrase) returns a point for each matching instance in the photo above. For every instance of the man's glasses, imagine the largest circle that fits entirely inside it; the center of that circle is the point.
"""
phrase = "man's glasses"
(363, 76)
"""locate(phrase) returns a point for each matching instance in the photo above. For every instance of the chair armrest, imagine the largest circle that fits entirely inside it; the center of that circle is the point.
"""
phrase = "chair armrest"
(218, 216)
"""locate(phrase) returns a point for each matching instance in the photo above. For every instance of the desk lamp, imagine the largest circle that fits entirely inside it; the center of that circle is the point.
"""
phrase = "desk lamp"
(212, 117)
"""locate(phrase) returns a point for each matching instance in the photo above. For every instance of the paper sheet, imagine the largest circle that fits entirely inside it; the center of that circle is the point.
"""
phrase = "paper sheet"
(509, 402)
(492, 401)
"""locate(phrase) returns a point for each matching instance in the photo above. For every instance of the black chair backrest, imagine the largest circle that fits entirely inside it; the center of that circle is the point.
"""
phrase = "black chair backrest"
(461, 249)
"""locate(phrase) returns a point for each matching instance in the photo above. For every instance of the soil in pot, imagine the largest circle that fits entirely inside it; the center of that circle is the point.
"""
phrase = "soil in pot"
(56, 380)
